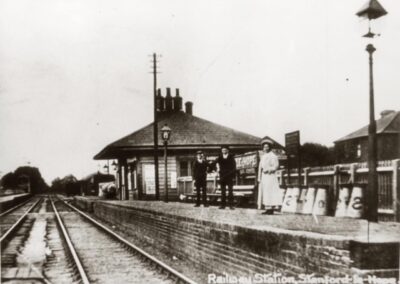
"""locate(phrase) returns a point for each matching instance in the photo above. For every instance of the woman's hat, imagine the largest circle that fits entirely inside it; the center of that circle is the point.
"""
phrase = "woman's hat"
(267, 141)
(199, 152)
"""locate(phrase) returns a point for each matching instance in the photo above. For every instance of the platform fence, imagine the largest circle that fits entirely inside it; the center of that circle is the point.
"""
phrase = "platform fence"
(332, 176)
(335, 175)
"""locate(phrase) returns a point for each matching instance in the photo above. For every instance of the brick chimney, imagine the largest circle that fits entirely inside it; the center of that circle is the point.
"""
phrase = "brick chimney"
(189, 108)
(177, 101)
(168, 100)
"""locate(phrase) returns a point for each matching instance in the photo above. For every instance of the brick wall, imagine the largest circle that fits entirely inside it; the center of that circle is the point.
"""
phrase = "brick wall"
(216, 247)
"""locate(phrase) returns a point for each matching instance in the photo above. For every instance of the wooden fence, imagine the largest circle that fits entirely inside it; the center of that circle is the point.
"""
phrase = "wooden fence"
(334, 176)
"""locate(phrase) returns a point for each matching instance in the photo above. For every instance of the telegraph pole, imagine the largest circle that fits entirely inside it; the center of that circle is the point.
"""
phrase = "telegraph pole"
(155, 128)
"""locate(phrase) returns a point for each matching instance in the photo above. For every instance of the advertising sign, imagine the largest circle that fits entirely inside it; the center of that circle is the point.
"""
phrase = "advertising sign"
(173, 179)
(246, 161)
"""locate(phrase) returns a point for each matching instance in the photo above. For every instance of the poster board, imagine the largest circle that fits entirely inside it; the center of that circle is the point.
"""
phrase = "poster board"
(149, 186)
(173, 179)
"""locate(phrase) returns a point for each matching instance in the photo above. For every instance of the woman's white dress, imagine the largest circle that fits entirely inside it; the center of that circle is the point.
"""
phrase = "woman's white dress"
(269, 192)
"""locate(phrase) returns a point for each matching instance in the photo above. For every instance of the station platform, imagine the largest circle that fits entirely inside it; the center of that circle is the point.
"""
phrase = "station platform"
(8, 201)
(6, 198)
(242, 241)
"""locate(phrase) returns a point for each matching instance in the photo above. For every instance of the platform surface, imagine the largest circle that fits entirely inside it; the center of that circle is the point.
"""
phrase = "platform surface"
(308, 225)
(6, 198)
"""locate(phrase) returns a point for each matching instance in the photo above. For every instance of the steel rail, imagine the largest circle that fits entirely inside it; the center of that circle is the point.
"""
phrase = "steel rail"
(15, 207)
(18, 222)
(71, 247)
(164, 266)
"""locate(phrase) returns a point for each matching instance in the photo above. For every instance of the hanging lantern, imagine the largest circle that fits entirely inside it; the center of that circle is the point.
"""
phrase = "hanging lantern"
(372, 10)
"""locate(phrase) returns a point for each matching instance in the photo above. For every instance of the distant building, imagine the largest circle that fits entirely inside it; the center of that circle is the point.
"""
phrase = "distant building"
(190, 133)
(354, 146)
(91, 184)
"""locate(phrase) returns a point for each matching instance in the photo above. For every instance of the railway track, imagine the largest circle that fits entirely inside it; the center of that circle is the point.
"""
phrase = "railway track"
(75, 248)
(14, 216)
(109, 252)
(32, 248)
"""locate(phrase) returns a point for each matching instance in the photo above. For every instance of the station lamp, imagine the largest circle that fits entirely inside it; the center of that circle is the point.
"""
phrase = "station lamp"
(372, 10)
(165, 135)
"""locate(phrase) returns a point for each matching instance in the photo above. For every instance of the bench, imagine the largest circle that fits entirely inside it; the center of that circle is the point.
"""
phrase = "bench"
(242, 195)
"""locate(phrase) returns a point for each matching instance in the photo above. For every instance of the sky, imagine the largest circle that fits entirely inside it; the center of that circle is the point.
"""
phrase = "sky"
(76, 75)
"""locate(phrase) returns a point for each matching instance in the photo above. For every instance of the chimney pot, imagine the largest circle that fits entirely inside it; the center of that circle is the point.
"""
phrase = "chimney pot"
(189, 108)
(177, 101)
(168, 100)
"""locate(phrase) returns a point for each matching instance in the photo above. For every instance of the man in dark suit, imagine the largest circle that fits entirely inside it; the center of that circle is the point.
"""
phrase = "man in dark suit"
(226, 168)
(200, 167)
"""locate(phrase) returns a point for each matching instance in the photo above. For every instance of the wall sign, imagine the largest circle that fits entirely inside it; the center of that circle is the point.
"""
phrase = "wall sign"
(149, 180)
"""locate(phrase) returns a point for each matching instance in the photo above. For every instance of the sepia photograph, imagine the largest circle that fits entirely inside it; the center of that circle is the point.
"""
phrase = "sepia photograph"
(208, 142)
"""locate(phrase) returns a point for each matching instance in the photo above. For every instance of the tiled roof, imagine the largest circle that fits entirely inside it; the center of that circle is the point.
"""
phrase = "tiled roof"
(390, 123)
(99, 176)
(187, 131)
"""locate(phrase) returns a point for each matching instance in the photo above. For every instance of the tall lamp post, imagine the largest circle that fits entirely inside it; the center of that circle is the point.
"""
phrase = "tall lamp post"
(165, 134)
(372, 11)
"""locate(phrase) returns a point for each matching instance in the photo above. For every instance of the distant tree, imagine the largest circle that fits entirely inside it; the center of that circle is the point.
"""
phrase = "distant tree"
(314, 154)
(58, 185)
(9, 180)
(34, 177)
(69, 178)
(23, 177)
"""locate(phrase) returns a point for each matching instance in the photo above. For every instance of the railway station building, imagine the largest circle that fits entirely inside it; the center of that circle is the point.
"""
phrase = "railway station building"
(135, 152)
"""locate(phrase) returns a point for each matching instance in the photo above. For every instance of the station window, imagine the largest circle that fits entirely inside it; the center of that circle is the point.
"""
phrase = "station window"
(346, 149)
(358, 150)
(184, 167)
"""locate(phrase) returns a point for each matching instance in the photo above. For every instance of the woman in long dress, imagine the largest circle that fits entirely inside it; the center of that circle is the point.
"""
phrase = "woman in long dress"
(269, 192)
